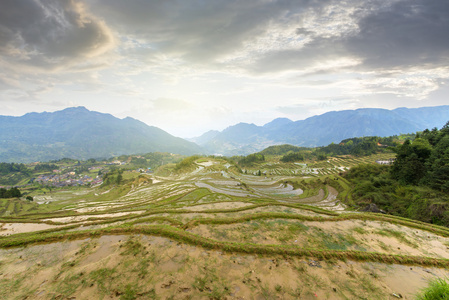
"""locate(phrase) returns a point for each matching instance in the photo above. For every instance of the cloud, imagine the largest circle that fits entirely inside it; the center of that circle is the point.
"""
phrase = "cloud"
(237, 36)
(415, 86)
(202, 32)
(313, 55)
(408, 33)
(364, 36)
(302, 31)
(50, 35)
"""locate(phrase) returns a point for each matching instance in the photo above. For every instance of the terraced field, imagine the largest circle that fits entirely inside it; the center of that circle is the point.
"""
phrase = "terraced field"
(333, 165)
(212, 233)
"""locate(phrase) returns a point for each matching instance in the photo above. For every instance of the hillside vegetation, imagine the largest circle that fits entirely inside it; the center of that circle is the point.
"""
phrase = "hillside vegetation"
(416, 185)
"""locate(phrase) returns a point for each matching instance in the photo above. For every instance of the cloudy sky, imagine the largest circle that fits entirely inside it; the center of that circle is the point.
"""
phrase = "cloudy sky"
(189, 66)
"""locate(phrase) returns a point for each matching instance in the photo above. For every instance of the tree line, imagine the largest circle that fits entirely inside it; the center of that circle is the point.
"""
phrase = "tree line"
(251, 159)
(10, 193)
(425, 161)
(8, 168)
(416, 186)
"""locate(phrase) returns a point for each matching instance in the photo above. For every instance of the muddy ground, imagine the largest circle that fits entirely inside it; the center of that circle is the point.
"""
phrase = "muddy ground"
(145, 267)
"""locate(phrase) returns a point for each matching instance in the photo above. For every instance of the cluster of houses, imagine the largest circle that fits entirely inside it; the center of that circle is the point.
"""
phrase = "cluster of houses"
(67, 179)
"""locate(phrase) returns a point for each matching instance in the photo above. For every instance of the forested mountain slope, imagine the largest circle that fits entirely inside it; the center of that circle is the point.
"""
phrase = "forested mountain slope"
(82, 134)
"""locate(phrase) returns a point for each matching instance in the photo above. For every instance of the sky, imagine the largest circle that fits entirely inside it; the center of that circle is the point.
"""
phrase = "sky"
(190, 66)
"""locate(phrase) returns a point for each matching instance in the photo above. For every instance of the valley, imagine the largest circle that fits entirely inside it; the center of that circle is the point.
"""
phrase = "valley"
(203, 229)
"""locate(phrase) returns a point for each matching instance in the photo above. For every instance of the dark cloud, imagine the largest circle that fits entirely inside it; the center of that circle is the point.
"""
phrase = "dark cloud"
(408, 33)
(197, 31)
(404, 35)
(50, 33)
(303, 31)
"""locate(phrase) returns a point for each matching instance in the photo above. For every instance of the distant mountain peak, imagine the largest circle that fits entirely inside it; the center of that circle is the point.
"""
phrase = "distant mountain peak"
(278, 122)
(243, 124)
(75, 109)
(78, 133)
(320, 130)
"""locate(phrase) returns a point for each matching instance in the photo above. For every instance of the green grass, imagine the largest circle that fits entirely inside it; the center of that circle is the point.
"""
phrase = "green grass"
(400, 236)
(195, 195)
(130, 175)
(132, 247)
(384, 246)
(438, 289)
(70, 284)
(202, 160)
(359, 230)
(335, 241)
(8, 287)
(129, 292)
(103, 278)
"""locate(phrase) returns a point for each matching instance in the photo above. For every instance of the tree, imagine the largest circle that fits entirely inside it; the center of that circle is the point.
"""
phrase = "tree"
(45, 167)
(251, 159)
(410, 164)
(437, 176)
(113, 177)
(119, 178)
(321, 156)
(11, 193)
(291, 157)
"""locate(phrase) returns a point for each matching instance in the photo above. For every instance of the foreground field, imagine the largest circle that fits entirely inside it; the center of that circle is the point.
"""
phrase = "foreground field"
(209, 232)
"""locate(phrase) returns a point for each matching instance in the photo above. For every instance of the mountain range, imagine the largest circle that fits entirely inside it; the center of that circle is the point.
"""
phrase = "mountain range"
(321, 130)
(81, 134)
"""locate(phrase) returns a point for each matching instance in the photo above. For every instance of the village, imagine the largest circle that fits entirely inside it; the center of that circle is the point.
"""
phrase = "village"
(72, 177)
(67, 179)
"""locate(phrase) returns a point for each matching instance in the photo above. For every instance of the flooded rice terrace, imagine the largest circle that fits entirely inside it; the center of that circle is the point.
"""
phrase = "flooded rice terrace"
(215, 234)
